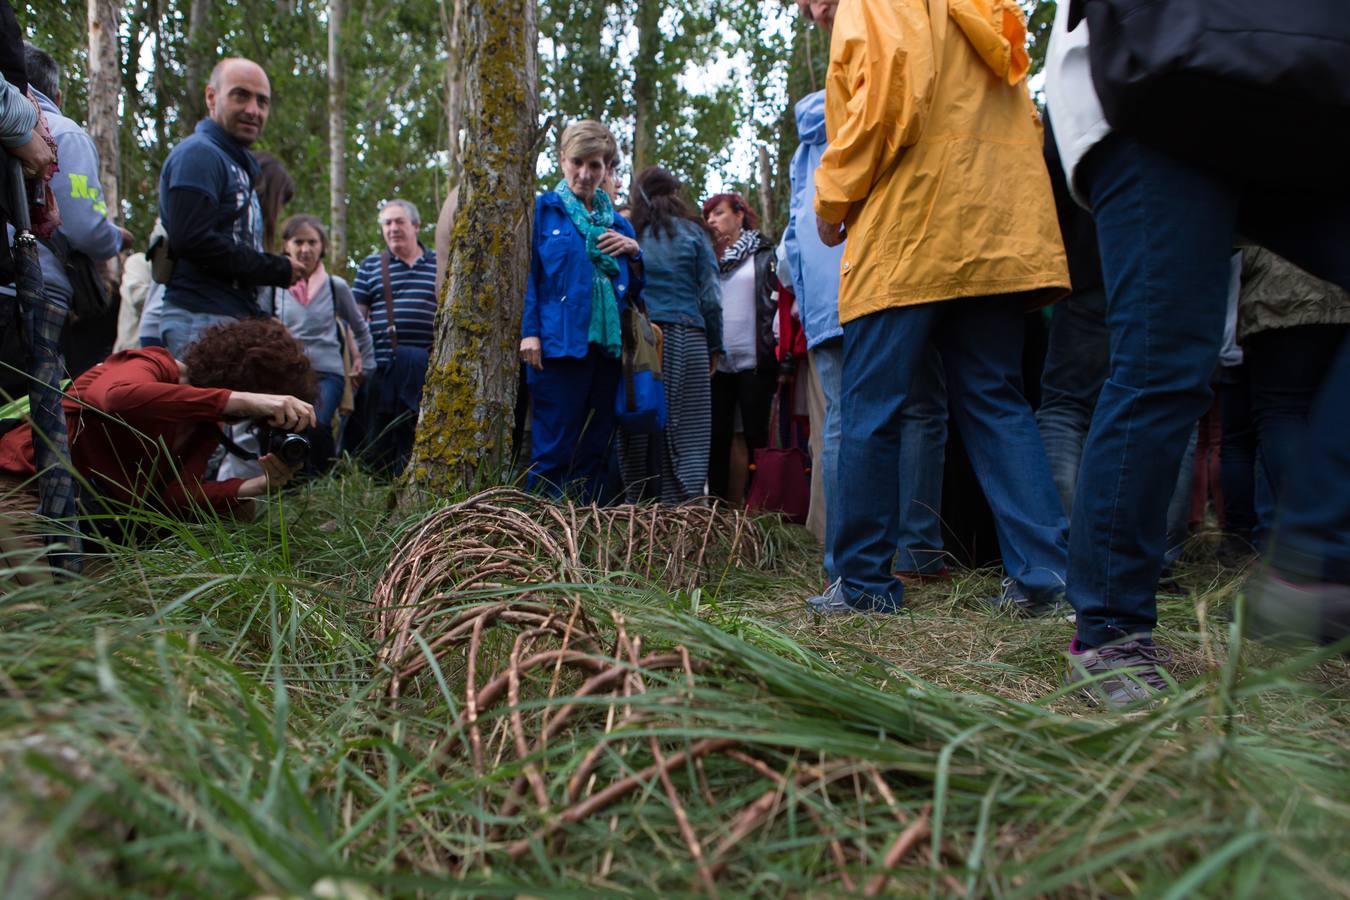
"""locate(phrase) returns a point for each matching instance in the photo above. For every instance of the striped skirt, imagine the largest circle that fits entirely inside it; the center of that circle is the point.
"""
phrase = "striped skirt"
(673, 465)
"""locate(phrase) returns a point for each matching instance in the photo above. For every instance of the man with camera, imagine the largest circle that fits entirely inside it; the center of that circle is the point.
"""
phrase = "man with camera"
(211, 214)
(144, 425)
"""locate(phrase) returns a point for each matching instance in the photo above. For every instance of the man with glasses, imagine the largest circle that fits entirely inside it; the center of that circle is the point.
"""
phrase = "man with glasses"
(396, 289)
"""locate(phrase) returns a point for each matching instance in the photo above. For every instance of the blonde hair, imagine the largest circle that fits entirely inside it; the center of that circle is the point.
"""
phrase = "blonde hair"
(588, 138)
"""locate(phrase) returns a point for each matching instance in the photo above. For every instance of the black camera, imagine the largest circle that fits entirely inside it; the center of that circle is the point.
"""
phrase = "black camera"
(292, 449)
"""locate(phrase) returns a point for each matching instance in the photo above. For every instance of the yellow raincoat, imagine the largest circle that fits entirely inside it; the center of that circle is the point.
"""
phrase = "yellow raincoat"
(935, 165)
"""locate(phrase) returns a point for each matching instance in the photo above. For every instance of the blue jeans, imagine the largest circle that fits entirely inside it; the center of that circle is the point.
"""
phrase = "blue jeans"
(179, 327)
(1303, 444)
(1076, 365)
(330, 395)
(1246, 492)
(1166, 230)
(922, 442)
(572, 426)
(980, 343)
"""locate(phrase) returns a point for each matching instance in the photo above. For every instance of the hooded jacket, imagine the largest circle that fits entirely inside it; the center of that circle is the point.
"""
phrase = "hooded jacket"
(934, 161)
(814, 267)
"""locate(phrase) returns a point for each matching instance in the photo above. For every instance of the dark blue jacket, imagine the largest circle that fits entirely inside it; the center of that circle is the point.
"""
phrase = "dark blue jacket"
(558, 294)
(214, 225)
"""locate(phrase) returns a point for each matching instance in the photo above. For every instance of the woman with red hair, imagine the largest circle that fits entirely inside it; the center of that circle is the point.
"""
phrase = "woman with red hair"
(746, 372)
(143, 425)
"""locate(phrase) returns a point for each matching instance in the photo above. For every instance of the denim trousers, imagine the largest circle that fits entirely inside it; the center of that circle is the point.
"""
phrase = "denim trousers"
(923, 439)
(330, 395)
(1076, 365)
(1166, 229)
(980, 343)
(179, 327)
(1247, 500)
(1287, 367)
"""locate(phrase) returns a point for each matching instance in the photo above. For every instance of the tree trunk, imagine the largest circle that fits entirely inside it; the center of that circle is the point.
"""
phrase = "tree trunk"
(105, 85)
(337, 137)
(464, 431)
(194, 104)
(644, 82)
(452, 20)
(765, 191)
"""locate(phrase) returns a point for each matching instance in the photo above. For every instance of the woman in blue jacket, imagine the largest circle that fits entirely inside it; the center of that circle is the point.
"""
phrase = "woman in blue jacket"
(570, 338)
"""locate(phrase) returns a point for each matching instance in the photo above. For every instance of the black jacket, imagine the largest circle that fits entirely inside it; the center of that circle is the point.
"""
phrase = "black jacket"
(766, 308)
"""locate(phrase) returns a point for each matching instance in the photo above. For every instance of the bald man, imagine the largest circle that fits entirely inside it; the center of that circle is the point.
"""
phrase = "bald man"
(211, 214)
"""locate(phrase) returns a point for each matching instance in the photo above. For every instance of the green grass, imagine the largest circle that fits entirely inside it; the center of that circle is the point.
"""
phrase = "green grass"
(207, 716)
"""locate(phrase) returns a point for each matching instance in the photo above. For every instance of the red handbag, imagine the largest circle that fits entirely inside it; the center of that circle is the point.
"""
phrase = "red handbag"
(781, 476)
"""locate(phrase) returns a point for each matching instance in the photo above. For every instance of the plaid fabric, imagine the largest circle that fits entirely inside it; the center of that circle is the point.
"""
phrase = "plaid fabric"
(40, 321)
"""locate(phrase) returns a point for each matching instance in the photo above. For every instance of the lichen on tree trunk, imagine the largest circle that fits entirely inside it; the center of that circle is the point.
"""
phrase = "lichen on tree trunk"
(464, 430)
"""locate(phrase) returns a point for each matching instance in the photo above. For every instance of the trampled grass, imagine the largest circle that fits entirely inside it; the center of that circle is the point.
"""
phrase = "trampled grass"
(208, 715)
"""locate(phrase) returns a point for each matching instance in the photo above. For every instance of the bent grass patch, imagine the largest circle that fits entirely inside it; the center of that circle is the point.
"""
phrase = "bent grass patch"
(215, 713)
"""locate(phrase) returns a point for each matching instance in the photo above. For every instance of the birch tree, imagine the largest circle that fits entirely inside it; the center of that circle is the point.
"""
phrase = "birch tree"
(337, 134)
(105, 83)
(464, 429)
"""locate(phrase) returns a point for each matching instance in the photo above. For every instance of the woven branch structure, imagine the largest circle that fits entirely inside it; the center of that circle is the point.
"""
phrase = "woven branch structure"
(568, 717)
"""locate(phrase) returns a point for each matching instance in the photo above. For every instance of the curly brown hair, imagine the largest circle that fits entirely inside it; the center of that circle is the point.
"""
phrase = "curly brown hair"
(258, 356)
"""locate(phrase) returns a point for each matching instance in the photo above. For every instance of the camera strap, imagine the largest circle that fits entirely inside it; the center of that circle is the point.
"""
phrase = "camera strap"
(388, 302)
(234, 449)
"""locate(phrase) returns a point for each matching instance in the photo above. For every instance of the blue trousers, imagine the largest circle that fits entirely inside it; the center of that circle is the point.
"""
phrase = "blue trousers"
(180, 327)
(330, 395)
(923, 440)
(1166, 230)
(1076, 365)
(572, 426)
(980, 343)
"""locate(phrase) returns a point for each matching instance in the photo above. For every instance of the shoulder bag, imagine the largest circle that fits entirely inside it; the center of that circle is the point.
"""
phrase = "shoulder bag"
(780, 476)
(640, 403)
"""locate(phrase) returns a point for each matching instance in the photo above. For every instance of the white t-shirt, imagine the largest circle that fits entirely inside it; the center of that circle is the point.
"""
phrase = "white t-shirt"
(738, 317)
(1074, 108)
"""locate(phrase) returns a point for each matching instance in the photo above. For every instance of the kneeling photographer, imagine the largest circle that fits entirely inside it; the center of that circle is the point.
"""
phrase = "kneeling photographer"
(144, 426)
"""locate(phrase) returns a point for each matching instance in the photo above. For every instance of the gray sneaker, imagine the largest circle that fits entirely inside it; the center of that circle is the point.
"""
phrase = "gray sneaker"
(832, 602)
(1283, 612)
(1127, 672)
(1014, 601)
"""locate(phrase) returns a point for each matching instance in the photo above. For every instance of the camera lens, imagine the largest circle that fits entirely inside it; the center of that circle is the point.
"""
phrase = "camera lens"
(291, 449)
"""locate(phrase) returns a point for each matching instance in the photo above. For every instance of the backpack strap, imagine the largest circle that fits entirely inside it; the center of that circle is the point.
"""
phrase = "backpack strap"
(388, 301)
(337, 320)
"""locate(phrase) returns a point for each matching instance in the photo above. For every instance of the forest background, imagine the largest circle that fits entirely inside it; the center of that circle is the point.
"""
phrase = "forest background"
(703, 87)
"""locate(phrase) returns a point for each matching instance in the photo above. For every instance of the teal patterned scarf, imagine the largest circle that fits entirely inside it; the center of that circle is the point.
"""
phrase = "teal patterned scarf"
(591, 224)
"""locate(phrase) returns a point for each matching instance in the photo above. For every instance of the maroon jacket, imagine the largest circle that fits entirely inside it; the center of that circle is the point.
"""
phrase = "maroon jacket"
(119, 416)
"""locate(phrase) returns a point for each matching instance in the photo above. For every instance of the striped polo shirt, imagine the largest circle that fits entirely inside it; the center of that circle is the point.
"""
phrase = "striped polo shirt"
(414, 292)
